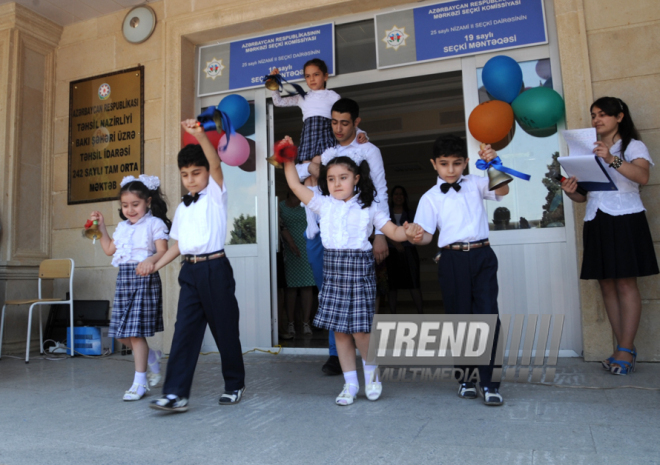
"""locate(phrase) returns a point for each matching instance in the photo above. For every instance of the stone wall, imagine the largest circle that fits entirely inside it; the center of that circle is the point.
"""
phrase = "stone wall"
(608, 48)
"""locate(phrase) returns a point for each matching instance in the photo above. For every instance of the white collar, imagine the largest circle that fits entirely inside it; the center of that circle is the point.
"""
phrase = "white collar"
(442, 181)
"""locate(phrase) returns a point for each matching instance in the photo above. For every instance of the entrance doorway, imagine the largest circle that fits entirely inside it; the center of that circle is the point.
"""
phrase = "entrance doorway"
(402, 118)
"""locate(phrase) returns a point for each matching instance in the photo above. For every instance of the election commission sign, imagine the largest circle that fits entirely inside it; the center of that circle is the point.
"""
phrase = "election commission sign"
(106, 134)
(457, 28)
(243, 64)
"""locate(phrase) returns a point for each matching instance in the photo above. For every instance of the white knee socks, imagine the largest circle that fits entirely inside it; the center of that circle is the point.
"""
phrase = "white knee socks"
(351, 379)
(141, 380)
(368, 372)
(154, 356)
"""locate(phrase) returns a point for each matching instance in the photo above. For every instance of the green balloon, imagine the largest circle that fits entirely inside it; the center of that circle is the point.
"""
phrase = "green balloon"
(539, 107)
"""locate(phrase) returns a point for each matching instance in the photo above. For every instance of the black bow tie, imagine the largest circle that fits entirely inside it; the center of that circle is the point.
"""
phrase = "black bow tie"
(446, 186)
(188, 199)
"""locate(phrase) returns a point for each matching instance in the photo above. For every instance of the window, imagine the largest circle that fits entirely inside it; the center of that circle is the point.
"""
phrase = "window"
(536, 203)
(241, 183)
(355, 47)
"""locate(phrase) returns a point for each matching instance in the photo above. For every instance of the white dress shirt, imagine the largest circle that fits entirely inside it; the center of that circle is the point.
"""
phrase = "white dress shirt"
(459, 215)
(315, 103)
(201, 227)
(626, 200)
(346, 225)
(136, 242)
(303, 168)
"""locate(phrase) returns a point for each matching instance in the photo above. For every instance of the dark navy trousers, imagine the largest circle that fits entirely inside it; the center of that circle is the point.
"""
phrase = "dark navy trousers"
(206, 297)
(468, 281)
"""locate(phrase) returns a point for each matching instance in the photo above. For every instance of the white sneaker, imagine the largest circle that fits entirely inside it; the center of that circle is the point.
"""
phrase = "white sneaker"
(292, 330)
(307, 331)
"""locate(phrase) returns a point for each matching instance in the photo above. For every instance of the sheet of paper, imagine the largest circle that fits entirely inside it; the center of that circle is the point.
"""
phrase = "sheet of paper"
(580, 141)
(585, 168)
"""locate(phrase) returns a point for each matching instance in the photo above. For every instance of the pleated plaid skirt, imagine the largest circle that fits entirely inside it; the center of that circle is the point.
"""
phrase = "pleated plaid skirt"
(138, 307)
(347, 299)
(316, 137)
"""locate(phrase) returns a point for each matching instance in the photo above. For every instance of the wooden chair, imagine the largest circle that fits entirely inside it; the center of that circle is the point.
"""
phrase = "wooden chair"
(49, 269)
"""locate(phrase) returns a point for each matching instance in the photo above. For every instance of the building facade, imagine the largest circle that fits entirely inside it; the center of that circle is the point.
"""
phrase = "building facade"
(595, 48)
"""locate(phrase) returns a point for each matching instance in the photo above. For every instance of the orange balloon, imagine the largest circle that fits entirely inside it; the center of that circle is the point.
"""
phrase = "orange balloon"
(491, 121)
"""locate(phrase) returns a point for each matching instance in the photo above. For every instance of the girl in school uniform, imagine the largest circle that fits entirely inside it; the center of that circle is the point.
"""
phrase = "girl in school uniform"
(137, 244)
(618, 247)
(348, 215)
(316, 106)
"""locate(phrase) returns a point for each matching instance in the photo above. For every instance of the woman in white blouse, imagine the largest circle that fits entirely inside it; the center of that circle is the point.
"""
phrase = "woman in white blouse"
(618, 247)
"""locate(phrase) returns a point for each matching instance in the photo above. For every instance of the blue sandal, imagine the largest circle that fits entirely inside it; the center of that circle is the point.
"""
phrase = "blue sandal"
(621, 367)
(607, 363)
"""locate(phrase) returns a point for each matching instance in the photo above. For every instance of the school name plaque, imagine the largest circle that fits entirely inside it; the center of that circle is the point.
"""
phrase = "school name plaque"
(106, 134)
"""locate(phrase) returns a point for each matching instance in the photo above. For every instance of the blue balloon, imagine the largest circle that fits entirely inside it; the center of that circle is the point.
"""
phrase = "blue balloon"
(237, 108)
(503, 78)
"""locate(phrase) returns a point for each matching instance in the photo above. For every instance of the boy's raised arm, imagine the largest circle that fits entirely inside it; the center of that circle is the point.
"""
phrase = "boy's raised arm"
(192, 127)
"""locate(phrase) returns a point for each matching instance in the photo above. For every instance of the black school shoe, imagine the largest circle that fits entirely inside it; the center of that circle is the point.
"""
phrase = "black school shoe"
(332, 366)
(166, 404)
(492, 396)
(467, 391)
(231, 397)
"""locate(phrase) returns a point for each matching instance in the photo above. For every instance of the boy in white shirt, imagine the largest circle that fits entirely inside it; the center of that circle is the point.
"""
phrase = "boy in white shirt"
(467, 266)
(206, 278)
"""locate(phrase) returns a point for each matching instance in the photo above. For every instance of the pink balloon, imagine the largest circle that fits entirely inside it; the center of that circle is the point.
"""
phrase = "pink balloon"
(237, 151)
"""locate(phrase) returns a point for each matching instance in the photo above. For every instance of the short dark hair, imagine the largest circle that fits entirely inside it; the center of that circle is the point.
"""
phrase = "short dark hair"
(346, 105)
(192, 155)
(449, 146)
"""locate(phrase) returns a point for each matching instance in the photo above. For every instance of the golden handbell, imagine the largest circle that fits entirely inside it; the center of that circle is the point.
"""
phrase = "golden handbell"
(497, 179)
(217, 120)
(93, 232)
(272, 84)
(274, 162)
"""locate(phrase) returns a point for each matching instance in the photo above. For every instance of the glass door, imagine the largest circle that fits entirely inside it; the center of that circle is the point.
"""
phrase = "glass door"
(248, 242)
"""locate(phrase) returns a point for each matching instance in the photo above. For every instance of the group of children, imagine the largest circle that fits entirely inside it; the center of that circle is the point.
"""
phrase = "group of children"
(346, 200)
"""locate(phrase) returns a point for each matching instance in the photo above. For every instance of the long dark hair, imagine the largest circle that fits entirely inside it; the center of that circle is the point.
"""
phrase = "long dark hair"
(612, 106)
(365, 186)
(320, 64)
(405, 200)
(158, 204)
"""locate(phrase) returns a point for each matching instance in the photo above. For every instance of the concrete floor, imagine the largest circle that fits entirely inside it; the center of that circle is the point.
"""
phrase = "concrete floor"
(70, 412)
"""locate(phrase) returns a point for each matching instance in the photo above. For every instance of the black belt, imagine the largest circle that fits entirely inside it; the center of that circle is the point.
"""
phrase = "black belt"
(467, 246)
(202, 257)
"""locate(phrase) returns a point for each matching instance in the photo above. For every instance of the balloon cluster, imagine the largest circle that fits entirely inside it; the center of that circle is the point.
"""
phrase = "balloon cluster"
(535, 109)
(233, 148)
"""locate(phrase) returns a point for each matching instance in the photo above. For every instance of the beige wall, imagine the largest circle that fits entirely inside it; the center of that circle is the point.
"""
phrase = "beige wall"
(607, 47)
(27, 59)
(87, 49)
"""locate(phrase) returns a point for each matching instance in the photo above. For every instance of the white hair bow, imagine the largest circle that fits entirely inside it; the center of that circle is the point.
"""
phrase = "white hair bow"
(152, 182)
(355, 154)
